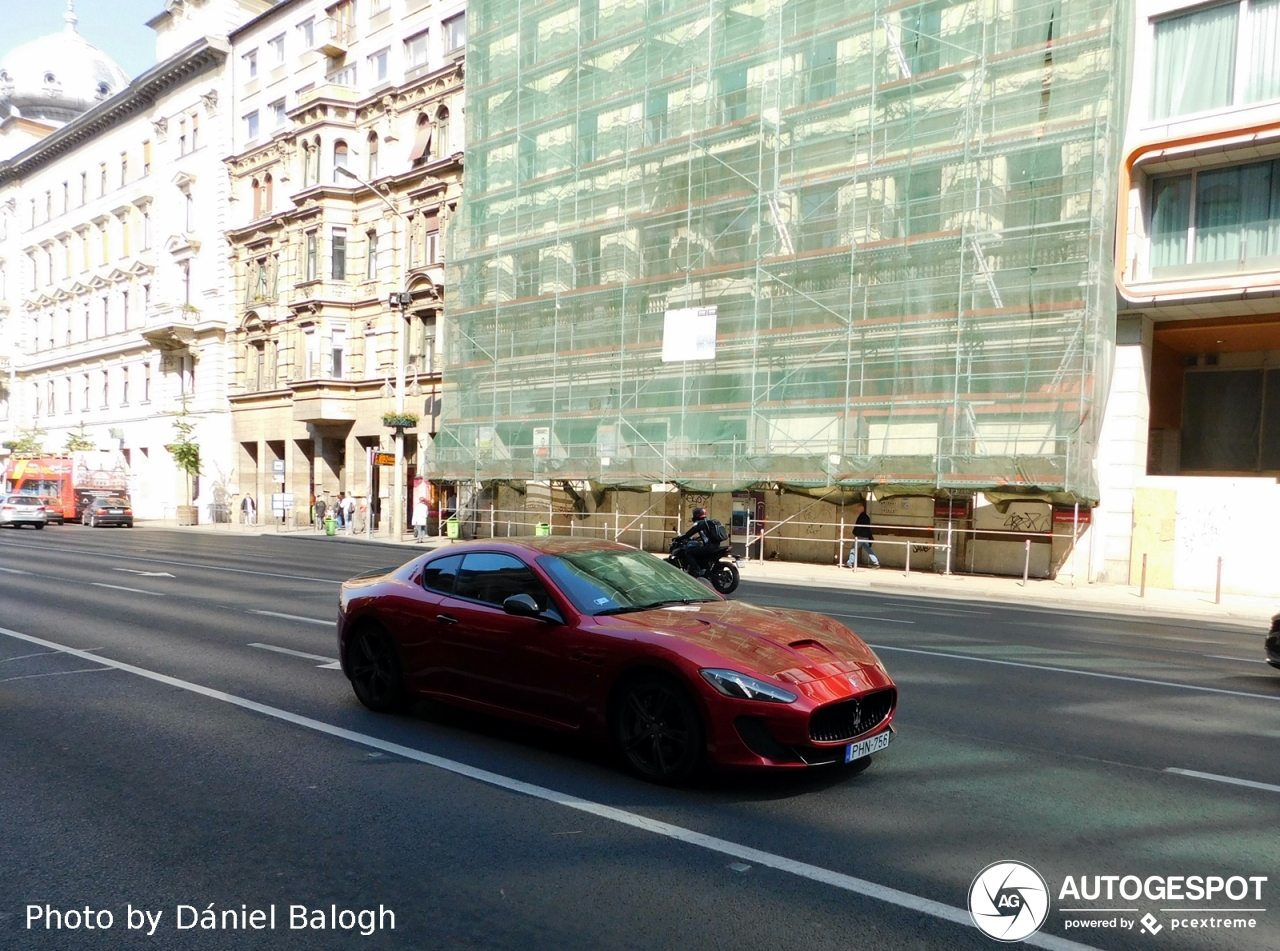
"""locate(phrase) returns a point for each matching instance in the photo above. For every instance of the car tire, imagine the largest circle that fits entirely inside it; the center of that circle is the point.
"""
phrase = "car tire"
(39, 525)
(374, 669)
(658, 730)
(724, 577)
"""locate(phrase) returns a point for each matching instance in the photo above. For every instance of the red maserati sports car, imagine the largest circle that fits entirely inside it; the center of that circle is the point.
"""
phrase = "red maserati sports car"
(610, 642)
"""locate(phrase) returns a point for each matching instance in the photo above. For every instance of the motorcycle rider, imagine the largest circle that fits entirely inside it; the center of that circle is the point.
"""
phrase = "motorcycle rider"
(707, 551)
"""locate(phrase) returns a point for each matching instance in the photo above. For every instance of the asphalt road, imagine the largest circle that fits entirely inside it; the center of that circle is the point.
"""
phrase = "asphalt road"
(216, 759)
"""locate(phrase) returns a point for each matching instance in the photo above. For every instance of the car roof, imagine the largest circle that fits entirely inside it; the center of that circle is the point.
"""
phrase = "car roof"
(539, 544)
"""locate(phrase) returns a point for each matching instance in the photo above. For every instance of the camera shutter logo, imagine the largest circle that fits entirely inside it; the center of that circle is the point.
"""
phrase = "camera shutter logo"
(1009, 901)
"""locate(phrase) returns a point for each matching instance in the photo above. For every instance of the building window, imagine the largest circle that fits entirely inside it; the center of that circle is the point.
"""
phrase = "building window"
(146, 384)
(102, 179)
(279, 114)
(312, 354)
(124, 386)
(195, 132)
(432, 242)
(655, 118)
(345, 77)
(921, 32)
(84, 188)
(821, 63)
(341, 154)
(182, 136)
(372, 146)
(146, 231)
(443, 141)
(124, 309)
(251, 125)
(312, 256)
(378, 6)
(338, 255)
(186, 283)
(268, 196)
(421, 350)
(1216, 220)
(146, 158)
(415, 51)
(378, 66)
(1200, 55)
(455, 32)
(276, 44)
(338, 353)
(421, 151)
(1034, 191)
(256, 190)
(919, 194)
(251, 64)
(342, 21)
(191, 211)
(308, 163)
(307, 31)
(733, 94)
(371, 258)
(84, 401)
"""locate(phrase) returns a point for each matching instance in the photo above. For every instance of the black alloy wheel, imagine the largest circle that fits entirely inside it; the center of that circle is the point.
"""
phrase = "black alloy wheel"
(658, 730)
(375, 670)
(724, 577)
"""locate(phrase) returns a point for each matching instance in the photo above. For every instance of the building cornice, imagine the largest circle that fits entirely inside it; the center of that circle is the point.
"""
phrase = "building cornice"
(197, 59)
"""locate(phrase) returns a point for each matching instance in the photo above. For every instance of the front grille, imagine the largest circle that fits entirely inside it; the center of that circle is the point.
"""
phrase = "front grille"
(850, 718)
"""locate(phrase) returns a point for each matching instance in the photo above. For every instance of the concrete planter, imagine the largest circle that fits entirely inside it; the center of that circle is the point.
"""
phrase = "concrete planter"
(188, 515)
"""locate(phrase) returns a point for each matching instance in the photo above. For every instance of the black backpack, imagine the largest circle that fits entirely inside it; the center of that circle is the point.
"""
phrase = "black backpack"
(717, 531)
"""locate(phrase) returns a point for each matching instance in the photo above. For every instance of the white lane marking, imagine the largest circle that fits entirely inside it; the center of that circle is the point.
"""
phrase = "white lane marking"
(116, 587)
(295, 617)
(14, 571)
(6, 660)
(180, 564)
(1082, 673)
(1230, 780)
(146, 574)
(849, 883)
(1247, 660)
(57, 673)
(329, 662)
(867, 617)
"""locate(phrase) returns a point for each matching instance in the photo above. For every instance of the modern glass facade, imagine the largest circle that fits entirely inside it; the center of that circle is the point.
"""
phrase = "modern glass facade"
(731, 242)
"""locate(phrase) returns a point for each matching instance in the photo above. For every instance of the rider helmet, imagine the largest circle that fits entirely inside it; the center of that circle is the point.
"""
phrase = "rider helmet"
(699, 513)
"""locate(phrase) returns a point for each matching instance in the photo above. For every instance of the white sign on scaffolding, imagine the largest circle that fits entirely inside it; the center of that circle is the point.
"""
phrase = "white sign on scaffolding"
(689, 334)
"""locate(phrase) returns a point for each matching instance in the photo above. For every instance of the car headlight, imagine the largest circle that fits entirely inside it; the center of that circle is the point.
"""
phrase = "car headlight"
(733, 684)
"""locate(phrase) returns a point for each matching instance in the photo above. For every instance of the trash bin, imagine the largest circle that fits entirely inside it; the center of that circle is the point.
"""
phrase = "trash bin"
(330, 525)
(543, 528)
(451, 527)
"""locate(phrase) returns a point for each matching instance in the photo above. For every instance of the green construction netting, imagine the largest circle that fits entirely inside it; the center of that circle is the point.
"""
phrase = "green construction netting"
(720, 243)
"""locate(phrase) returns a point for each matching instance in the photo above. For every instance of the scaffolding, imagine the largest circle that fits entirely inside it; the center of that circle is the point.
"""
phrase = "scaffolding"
(724, 243)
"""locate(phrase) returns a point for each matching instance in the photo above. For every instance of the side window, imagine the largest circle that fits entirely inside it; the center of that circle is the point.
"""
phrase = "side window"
(440, 574)
(492, 578)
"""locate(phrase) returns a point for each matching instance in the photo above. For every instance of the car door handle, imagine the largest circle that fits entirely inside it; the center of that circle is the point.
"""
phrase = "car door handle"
(446, 619)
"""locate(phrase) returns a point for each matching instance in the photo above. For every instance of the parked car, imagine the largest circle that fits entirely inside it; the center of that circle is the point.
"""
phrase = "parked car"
(108, 510)
(603, 640)
(1273, 642)
(53, 510)
(19, 510)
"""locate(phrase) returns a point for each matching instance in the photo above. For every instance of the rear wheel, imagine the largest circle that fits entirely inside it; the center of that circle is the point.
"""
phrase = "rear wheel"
(658, 730)
(39, 525)
(375, 670)
(724, 577)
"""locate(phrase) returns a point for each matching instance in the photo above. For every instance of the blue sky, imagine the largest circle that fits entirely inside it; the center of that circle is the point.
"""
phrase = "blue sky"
(118, 27)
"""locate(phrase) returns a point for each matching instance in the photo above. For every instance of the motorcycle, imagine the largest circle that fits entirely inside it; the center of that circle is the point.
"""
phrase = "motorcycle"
(722, 574)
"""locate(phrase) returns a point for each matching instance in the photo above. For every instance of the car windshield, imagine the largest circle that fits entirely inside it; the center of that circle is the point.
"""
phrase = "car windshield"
(23, 500)
(615, 582)
(112, 501)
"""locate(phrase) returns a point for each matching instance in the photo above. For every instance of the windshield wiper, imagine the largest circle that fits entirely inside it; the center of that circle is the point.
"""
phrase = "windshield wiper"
(652, 606)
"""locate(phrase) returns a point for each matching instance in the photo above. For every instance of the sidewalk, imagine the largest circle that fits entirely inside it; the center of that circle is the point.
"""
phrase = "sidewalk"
(1102, 598)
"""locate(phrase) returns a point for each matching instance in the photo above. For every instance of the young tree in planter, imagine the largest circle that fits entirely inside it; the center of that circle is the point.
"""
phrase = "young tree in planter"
(185, 452)
(80, 441)
(30, 442)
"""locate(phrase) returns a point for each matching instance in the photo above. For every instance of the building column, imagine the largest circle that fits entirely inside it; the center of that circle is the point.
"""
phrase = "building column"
(1122, 449)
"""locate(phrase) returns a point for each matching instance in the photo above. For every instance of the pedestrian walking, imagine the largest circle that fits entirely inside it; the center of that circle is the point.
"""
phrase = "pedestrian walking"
(420, 511)
(349, 512)
(320, 510)
(248, 510)
(862, 538)
(340, 510)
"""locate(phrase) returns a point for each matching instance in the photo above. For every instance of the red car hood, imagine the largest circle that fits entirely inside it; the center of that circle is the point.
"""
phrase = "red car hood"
(798, 647)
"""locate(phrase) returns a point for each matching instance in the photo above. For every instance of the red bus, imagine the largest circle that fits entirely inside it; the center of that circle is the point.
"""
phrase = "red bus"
(69, 478)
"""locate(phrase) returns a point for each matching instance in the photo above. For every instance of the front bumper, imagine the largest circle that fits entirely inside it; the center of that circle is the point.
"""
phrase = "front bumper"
(1273, 643)
(751, 734)
(109, 520)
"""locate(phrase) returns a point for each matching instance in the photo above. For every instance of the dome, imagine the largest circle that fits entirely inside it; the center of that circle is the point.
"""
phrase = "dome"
(58, 77)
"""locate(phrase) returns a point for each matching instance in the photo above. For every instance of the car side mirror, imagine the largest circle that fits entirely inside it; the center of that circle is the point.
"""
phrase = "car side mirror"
(521, 605)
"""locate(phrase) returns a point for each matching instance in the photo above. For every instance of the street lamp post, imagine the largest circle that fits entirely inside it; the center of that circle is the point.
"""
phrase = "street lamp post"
(398, 301)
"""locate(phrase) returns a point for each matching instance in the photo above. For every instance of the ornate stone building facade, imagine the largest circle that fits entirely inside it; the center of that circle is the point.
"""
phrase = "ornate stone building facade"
(345, 175)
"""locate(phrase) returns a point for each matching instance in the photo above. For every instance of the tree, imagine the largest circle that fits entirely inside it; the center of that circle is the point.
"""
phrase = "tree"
(30, 442)
(184, 449)
(80, 441)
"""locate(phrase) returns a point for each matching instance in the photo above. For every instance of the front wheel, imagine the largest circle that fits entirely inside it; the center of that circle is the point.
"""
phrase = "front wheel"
(658, 730)
(724, 577)
(375, 670)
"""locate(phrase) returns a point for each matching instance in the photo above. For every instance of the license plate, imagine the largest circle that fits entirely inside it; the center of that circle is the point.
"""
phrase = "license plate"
(866, 747)
(116, 511)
